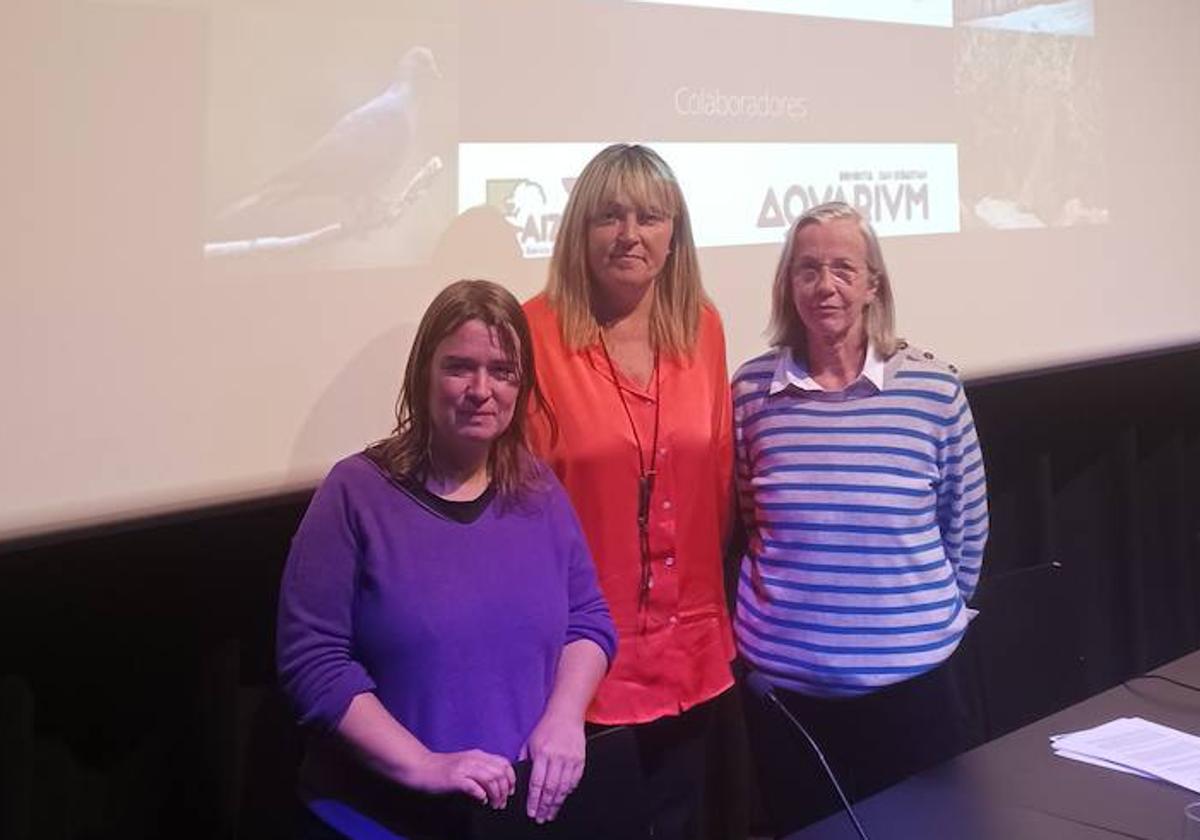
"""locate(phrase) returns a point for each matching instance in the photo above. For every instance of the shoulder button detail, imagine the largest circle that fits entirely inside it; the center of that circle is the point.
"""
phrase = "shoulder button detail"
(927, 355)
(903, 345)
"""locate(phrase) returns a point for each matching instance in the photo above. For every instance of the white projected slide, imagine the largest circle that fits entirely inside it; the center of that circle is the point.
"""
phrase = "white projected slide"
(920, 12)
(737, 193)
(1061, 17)
(225, 217)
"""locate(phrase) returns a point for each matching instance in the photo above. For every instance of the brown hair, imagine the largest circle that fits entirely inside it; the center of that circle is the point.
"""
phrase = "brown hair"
(405, 454)
(639, 173)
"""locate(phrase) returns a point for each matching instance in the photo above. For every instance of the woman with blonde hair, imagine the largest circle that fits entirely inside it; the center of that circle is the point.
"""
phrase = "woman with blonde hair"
(862, 490)
(631, 359)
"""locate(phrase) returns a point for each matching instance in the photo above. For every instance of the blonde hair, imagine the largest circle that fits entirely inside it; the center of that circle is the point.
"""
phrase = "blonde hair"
(406, 453)
(640, 174)
(787, 330)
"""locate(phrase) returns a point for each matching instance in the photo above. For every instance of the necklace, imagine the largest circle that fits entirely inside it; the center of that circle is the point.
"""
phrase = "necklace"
(645, 476)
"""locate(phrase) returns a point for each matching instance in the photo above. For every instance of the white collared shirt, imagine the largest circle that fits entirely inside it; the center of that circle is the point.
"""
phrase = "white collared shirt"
(791, 372)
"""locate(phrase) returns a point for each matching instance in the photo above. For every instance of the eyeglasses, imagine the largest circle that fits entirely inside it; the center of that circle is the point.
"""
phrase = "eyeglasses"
(843, 271)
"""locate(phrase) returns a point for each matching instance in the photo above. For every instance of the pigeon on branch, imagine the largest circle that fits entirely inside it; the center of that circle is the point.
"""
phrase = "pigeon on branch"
(361, 153)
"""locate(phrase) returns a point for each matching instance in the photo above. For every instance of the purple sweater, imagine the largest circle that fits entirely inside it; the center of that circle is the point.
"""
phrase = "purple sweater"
(456, 628)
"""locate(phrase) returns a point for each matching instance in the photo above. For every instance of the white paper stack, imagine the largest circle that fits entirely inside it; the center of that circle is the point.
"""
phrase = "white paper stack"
(1137, 746)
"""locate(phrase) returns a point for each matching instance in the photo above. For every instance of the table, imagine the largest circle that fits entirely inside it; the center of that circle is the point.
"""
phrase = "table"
(1015, 788)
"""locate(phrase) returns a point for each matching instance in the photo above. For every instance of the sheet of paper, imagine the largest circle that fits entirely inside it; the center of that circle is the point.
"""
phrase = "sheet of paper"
(1153, 749)
(1099, 762)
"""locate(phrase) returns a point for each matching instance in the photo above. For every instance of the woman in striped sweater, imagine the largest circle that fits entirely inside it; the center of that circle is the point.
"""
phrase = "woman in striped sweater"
(861, 486)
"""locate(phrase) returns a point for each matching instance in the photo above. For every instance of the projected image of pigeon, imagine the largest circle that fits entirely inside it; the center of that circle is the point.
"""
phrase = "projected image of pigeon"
(349, 182)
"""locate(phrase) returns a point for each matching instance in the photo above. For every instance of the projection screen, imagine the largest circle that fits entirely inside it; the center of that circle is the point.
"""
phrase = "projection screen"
(225, 217)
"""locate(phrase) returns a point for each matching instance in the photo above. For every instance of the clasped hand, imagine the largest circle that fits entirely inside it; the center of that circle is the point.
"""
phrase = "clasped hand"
(485, 777)
(557, 748)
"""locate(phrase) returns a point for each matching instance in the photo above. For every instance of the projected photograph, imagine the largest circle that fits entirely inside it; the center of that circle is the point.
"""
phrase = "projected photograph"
(331, 136)
(1031, 148)
(1054, 17)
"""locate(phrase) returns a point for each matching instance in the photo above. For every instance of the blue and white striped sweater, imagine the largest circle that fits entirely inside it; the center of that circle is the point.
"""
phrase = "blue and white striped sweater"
(867, 517)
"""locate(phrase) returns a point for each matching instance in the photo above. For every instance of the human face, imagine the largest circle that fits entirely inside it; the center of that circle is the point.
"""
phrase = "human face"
(831, 284)
(627, 249)
(473, 387)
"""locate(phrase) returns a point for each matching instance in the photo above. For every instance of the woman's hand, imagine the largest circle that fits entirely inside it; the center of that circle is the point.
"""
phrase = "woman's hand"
(487, 778)
(385, 746)
(557, 746)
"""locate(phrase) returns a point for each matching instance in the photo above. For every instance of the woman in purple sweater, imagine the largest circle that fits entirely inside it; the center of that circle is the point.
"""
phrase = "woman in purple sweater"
(439, 616)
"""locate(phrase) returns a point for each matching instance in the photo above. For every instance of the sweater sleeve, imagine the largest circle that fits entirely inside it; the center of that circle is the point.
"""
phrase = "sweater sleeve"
(962, 496)
(314, 639)
(739, 401)
(588, 616)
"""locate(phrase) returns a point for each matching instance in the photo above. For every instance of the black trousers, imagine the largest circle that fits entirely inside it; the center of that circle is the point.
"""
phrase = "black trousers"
(653, 790)
(671, 758)
(870, 742)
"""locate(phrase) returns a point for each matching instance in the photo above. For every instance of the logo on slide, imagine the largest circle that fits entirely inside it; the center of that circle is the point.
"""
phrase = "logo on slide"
(897, 196)
(523, 203)
(738, 193)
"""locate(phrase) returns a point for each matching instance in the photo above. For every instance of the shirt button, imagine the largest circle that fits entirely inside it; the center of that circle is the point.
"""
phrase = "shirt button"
(673, 619)
(667, 504)
(670, 561)
(662, 450)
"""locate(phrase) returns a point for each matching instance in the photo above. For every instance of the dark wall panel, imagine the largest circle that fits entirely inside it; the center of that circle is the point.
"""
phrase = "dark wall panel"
(136, 671)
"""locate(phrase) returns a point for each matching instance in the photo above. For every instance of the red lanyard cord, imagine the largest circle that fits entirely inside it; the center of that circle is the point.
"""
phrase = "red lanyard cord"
(645, 476)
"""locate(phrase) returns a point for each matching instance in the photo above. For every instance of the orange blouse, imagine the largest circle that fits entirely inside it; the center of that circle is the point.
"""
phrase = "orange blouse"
(675, 652)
